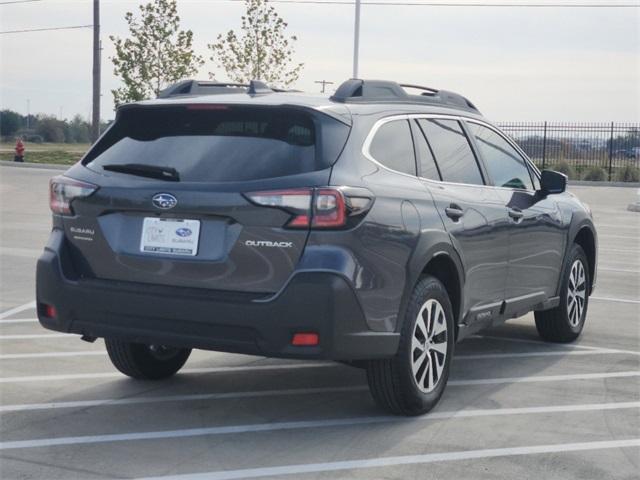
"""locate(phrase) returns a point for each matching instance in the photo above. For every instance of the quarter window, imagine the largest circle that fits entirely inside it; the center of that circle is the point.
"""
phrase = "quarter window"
(392, 146)
(506, 166)
(452, 151)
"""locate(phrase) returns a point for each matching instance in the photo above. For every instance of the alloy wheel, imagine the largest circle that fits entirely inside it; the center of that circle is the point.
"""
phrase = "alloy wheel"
(576, 293)
(429, 346)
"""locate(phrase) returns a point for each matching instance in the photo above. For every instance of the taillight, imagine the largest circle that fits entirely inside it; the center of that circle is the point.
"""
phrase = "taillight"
(296, 201)
(62, 190)
(318, 208)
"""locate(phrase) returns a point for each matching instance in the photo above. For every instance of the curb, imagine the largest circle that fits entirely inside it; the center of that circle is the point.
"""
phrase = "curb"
(41, 166)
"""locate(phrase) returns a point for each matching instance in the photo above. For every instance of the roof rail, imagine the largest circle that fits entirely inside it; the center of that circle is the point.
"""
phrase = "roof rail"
(384, 91)
(197, 87)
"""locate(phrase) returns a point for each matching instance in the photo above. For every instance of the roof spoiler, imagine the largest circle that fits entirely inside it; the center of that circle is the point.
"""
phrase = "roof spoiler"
(198, 87)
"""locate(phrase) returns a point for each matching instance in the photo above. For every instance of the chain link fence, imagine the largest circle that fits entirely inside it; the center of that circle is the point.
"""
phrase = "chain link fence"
(584, 151)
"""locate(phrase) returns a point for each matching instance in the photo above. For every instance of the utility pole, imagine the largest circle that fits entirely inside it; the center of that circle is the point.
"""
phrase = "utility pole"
(28, 113)
(356, 40)
(324, 83)
(95, 117)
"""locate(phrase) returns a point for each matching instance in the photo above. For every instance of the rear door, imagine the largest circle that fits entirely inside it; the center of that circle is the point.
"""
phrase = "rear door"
(202, 196)
(472, 213)
(536, 235)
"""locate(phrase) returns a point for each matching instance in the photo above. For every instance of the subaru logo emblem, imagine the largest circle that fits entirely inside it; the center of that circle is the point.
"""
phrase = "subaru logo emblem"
(164, 201)
(184, 232)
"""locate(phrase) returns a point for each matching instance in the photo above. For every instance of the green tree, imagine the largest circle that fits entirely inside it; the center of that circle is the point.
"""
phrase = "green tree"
(50, 128)
(10, 122)
(260, 51)
(156, 54)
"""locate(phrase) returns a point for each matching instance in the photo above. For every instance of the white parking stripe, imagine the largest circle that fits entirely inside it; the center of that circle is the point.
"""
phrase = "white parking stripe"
(402, 460)
(23, 356)
(275, 426)
(175, 398)
(581, 346)
(18, 320)
(19, 309)
(544, 378)
(29, 336)
(89, 376)
(609, 299)
(622, 270)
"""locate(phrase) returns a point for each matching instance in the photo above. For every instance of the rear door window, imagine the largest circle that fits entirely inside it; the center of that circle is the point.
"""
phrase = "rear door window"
(506, 166)
(217, 143)
(392, 146)
(452, 150)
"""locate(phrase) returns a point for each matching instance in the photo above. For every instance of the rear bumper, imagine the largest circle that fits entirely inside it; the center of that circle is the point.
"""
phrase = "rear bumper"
(321, 302)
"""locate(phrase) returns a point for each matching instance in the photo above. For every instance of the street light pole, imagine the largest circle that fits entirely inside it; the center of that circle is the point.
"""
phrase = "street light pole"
(95, 114)
(356, 40)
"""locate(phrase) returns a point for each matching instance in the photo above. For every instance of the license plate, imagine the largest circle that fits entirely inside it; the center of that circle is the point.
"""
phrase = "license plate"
(170, 236)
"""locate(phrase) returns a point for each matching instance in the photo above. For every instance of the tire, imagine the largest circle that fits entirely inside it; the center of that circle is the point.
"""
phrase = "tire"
(565, 322)
(146, 362)
(392, 382)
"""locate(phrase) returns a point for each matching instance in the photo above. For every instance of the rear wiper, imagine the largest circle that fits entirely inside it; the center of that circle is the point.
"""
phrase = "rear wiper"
(151, 171)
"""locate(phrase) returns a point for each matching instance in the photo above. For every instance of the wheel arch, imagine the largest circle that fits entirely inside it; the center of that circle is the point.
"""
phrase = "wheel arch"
(440, 260)
(586, 238)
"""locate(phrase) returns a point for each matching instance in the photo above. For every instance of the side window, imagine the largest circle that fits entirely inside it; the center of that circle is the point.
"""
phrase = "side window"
(392, 146)
(428, 167)
(452, 151)
(506, 166)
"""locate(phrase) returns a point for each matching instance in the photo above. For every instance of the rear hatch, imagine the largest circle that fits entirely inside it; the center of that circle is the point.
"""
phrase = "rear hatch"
(201, 195)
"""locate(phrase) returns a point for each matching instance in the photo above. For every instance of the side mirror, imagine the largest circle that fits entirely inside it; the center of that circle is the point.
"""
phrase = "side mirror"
(552, 182)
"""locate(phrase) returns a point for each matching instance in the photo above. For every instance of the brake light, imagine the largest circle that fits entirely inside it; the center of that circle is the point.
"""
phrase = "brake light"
(315, 208)
(62, 190)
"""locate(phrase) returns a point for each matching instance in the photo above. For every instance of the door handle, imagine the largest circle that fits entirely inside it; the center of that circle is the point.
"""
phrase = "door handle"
(516, 213)
(454, 212)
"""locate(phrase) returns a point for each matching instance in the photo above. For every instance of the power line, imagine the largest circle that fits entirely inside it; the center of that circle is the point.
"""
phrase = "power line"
(46, 29)
(456, 4)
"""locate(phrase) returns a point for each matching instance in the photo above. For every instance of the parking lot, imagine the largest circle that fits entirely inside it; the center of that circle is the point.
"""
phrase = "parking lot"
(514, 408)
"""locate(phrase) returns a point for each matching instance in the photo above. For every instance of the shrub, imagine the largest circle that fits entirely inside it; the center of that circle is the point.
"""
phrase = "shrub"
(564, 167)
(628, 174)
(595, 174)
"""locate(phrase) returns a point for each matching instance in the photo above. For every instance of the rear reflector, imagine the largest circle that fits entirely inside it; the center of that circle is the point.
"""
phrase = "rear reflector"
(49, 311)
(305, 340)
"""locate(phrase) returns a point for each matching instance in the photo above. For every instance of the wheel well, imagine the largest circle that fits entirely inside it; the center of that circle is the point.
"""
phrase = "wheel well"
(586, 240)
(444, 269)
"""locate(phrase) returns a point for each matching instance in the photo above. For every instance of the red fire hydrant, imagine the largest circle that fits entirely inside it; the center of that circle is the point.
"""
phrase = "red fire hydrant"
(19, 151)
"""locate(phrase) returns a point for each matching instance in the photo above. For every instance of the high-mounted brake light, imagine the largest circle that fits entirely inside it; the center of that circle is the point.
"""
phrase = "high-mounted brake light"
(315, 208)
(62, 190)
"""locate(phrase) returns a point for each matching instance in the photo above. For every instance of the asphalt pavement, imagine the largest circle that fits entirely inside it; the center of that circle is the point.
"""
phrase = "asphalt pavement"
(515, 407)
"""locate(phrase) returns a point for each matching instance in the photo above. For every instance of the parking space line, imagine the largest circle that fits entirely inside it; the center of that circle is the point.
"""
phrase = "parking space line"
(176, 398)
(18, 309)
(589, 348)
(610, 299)
(18, 320)
(240, 368)
(23, 356)
(29, 336)
(401, 460)
(306, 424)
(622, 270)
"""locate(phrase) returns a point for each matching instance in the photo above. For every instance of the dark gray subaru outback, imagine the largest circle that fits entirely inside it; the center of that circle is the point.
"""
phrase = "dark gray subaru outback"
(375, 227)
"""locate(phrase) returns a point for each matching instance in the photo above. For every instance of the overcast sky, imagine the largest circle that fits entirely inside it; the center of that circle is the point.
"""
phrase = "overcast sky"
(516, 64)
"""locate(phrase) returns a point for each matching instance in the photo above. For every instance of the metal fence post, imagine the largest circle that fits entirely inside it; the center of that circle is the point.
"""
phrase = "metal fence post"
(544, 146)
(610, 151)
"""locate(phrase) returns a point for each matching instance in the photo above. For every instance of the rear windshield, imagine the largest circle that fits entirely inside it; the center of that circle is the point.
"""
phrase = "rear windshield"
(216, 143)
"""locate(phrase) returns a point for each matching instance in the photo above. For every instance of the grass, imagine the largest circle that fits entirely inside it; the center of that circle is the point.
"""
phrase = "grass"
(54, 153)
